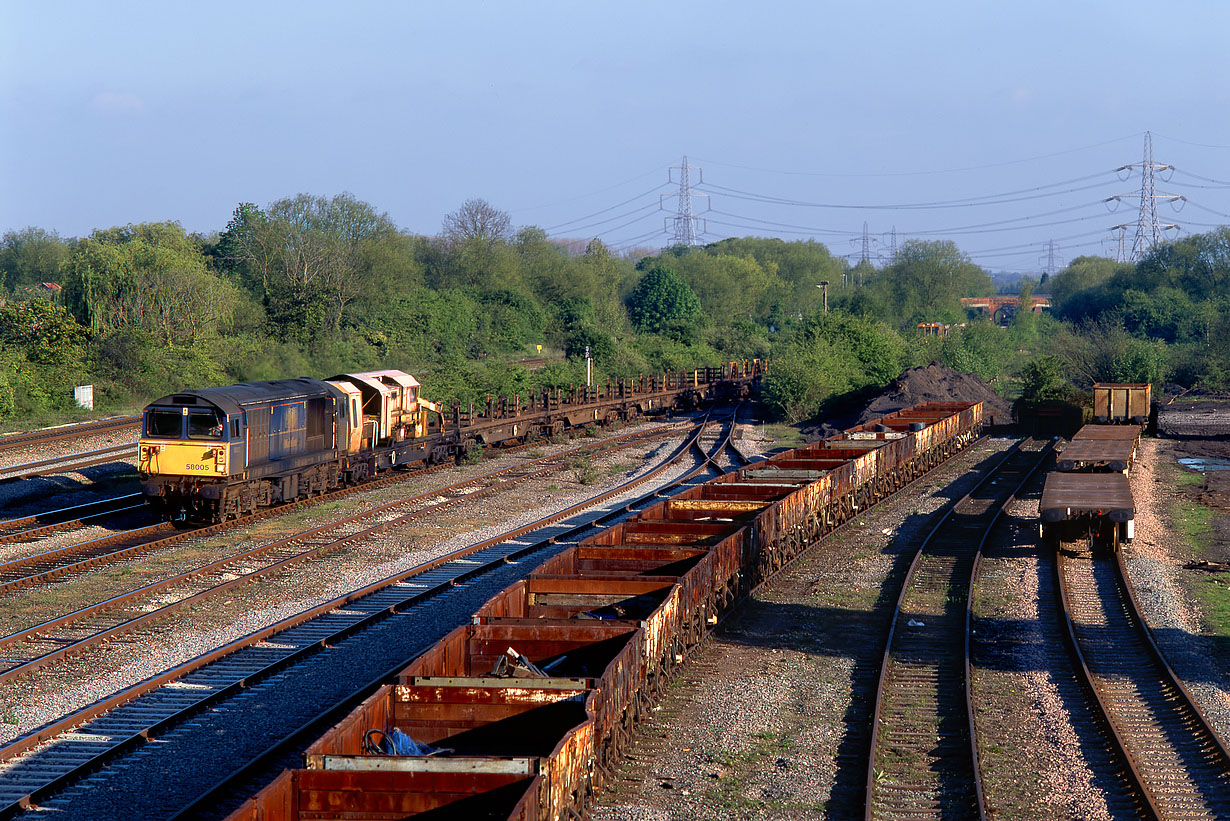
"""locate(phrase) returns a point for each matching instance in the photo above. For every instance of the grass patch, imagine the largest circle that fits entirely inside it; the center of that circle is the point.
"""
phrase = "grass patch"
(1213, 591)
(783, 436)
(1187, 477)
(1194, 522)
(584, 471)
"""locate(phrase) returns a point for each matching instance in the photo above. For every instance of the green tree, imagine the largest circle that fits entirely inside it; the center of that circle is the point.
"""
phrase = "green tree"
(314, 256)
(660, 298)
(31, 256)
(1044, 379)
(238, 250)
(980, 348)
(46, 331)
(1088, 287)
(7, 404)
(732, 287)
(152, 277)
(927, 280)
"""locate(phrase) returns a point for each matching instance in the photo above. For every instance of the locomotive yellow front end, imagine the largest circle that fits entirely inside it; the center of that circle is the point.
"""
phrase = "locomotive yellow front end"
(184, 457)
(181, 459)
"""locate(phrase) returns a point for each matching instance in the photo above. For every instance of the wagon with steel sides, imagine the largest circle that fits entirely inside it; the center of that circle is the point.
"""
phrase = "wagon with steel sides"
(1121, 402)
(593, 635)
(1088, 496)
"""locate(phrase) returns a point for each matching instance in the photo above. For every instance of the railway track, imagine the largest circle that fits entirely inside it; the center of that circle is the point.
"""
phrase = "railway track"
(29, 528)
(33, 648)
(1171, 755)
(923, 759)
(19, 440)
(77, 744)
(69, 463)
(76, 558)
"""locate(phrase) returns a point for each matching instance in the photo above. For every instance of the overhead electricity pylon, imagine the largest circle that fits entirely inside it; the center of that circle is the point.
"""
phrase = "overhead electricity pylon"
(683, 226)
(1050, 265)
(1149, 227)
(866, 240)
(1120, 241)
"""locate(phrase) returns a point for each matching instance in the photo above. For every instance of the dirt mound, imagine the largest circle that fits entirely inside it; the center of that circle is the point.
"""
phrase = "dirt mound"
(933, 383)
(936, 383)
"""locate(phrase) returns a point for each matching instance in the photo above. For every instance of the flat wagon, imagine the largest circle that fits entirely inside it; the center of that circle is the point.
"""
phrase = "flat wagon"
(1096, 506)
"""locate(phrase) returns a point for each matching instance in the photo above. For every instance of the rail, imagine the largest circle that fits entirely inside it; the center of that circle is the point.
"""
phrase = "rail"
(353, 612)
(923, 760)
(17, 440)
(1172, 756)
(37, 646)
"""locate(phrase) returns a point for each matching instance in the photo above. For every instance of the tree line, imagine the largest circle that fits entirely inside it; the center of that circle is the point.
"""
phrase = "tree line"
(313, 285)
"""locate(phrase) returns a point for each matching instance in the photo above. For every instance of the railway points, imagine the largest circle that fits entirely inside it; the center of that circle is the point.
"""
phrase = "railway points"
(340, 618)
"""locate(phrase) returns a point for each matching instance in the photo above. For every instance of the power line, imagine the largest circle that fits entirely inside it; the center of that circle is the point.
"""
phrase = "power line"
(590, 194)
(938, 171)
(687, 224)
(604, 210)
(965, 202)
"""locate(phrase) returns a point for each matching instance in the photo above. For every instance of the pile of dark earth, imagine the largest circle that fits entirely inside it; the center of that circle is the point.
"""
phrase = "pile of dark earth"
(932, 383)
(1194, 414)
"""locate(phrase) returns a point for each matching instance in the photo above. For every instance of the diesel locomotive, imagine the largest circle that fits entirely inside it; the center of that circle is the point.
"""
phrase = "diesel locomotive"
(218, 453)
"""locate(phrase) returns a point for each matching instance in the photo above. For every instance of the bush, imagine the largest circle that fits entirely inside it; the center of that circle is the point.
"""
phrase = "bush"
(7, 407)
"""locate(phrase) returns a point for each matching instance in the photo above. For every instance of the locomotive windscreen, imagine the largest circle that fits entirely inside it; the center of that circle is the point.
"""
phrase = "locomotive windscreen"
(204, 424)
(164, 423)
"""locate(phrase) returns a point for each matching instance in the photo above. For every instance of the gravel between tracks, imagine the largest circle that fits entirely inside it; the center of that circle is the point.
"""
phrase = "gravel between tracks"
(1035, 762)
(159, 777)
(80, 681)
(770, 718)
(1154, 562)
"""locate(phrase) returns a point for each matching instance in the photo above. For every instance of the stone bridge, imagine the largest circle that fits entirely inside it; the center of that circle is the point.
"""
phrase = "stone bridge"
(1003, 307)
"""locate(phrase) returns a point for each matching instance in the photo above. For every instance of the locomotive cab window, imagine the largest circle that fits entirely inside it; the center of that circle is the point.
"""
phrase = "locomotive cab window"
(204, 424)
(164, 423)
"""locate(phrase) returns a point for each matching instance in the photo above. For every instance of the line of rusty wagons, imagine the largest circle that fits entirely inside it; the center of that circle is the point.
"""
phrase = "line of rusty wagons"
(521, 713)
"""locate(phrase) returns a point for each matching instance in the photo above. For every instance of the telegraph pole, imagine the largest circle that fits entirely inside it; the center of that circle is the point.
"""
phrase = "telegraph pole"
(683, 226)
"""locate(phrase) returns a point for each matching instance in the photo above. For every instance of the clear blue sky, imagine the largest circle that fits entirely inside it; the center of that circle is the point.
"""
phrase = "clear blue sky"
(121, 112)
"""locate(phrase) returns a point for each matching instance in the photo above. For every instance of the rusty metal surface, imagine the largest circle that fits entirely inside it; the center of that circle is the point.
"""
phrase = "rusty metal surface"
(1129, 433)
(611, 618)
(1072, 494)
(1121, 401)
(1079, 454)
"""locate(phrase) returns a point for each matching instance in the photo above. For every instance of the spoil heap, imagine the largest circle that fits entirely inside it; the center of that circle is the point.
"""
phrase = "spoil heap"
(933, 383)
(936, 383)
